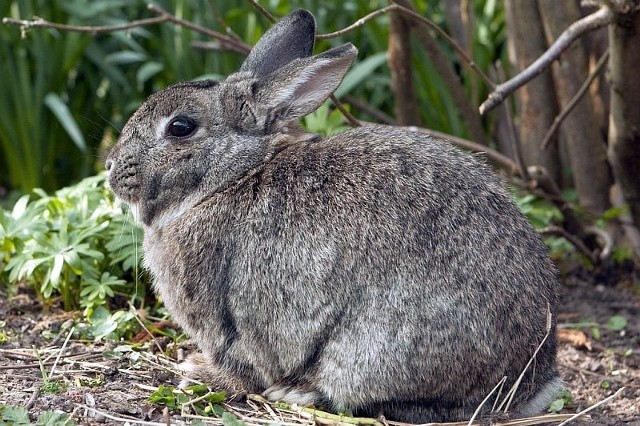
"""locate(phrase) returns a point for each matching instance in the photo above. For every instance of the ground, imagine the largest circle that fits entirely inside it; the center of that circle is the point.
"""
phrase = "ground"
(107, 382)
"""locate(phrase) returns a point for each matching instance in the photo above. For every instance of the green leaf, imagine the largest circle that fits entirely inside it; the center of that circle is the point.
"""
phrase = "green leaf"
(229, 419)
(556, 406)
(16, 415)
(20, 207)
(147, 71)
(125, 57)
(62, 113)
(56, 271)
(617, 323)
(50, 418)
(359, 72)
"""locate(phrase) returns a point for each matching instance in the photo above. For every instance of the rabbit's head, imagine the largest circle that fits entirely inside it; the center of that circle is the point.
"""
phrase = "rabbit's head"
(192, 139)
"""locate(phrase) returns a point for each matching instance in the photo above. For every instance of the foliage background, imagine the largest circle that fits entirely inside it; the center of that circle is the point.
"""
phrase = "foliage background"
(69, 93)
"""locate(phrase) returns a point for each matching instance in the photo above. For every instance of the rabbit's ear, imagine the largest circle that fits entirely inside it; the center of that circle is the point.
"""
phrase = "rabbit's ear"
(290, 38)
(300, 87)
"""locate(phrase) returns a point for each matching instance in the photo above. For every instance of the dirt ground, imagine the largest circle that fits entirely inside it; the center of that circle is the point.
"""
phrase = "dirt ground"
(108, 383)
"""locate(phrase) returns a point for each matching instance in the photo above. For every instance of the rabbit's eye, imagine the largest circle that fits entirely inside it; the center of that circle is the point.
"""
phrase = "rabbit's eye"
(181, 127)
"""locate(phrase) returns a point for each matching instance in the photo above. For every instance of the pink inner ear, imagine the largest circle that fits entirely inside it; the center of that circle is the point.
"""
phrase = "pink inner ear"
(302, 86)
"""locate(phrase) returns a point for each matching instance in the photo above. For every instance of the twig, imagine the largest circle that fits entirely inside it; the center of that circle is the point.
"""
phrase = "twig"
(574, 101)
(38, 22)
(380, 116)
(118, 419)
(496, 157)
(577, 242)
(262, 11)
(604, 16)
(226, 41)
(61, 352)
(585, 411)
(352, 120)
(32, 399)
(508, 399)
(360, 22)
(486, 398)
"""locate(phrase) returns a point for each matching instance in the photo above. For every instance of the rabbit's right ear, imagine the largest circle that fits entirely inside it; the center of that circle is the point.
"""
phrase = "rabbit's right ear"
(290, 38)
(301, 86)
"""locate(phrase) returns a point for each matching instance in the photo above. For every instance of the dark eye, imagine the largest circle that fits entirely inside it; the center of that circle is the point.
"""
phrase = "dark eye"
(181, 127)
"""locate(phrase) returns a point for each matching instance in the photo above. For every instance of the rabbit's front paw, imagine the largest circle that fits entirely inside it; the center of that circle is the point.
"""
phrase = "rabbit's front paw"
(302, 396)
(198, 369)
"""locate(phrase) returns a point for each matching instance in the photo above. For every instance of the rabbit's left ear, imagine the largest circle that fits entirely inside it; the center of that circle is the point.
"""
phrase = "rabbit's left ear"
(290, 38)
(300, 87)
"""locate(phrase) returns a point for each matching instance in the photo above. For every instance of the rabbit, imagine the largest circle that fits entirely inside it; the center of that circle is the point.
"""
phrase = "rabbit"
(375, 272)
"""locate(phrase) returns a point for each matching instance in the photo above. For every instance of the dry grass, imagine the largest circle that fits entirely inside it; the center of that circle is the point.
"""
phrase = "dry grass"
(77, 361)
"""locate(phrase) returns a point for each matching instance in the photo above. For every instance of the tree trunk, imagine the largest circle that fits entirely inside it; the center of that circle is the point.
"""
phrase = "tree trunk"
(585, 145)
(624, 120)
(406, 101)
(537, 100)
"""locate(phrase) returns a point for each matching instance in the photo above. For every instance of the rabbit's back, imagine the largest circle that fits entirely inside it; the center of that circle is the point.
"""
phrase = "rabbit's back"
(384, 270)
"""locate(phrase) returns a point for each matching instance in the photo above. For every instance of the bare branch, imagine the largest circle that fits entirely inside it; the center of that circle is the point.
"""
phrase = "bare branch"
(360, 22)
(574, 101)
(575, 241)
(38, 22)
(599, 19)
(226, 42)
(264, 12)
(378, 115)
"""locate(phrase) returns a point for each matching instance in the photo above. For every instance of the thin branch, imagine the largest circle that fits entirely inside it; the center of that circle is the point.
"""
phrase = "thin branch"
(494, 156)
(559, 231)
(574, 101)
(368, 109)
(226, 41)
(262, 10)
(360, 22)
(38, 22)
(350, 118)
(599, 19)
(583, 412)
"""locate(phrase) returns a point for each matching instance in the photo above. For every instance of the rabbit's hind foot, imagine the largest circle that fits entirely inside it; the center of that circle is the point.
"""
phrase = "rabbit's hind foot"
(299, 395)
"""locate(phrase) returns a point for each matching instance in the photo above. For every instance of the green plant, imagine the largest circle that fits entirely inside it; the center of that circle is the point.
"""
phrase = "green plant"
(48, 385)
(199, 397)
(19, 416)
(78, 244)
(564, 399)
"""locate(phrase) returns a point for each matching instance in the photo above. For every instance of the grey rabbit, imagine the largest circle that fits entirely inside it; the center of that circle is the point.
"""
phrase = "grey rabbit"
(375, 272)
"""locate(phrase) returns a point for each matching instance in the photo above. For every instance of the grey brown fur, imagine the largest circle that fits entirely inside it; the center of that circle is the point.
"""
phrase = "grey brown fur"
(378, 271)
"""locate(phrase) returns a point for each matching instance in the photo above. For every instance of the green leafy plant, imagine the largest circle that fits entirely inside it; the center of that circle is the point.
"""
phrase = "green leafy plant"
(19, 416)
(199, 397)
(78, 245)
(564, 399)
